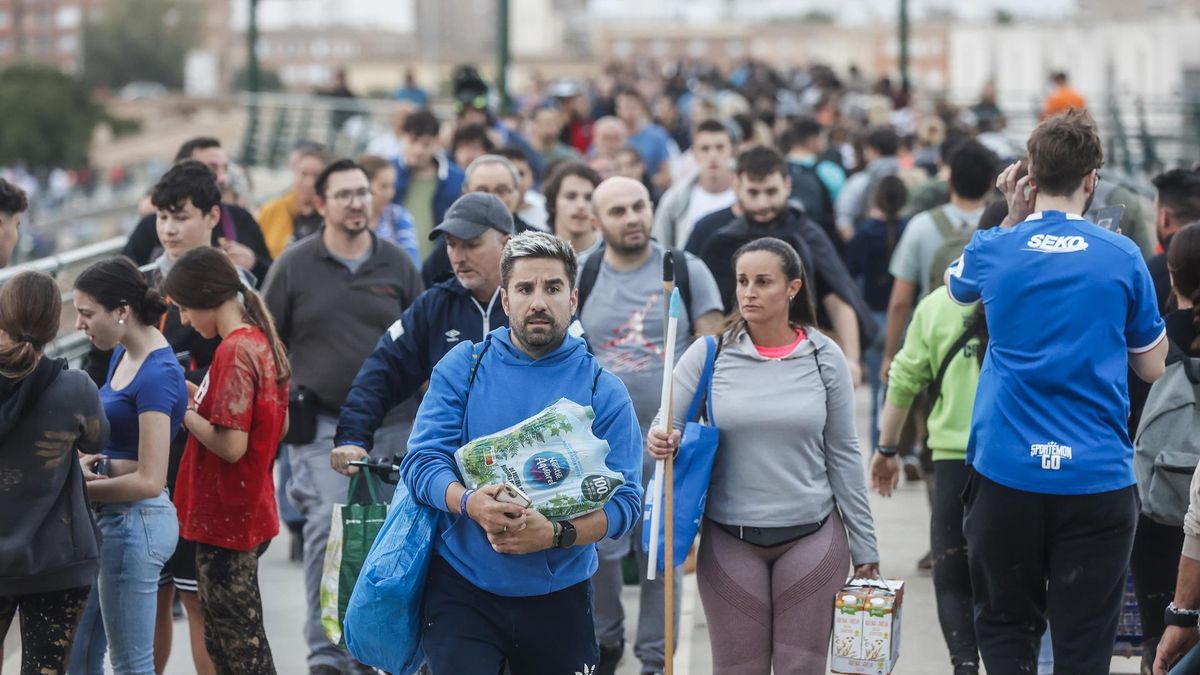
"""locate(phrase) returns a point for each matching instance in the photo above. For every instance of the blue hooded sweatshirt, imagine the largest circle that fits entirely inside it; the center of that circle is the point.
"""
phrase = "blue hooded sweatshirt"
(509, 387)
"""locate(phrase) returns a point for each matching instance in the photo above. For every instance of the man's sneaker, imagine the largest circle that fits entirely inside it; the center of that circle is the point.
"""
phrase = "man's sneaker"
(925, 564)
(912, 468)
(610, 658)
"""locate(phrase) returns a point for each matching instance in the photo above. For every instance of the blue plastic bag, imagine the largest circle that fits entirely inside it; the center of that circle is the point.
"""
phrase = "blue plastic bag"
(693, 470)
(383, 620)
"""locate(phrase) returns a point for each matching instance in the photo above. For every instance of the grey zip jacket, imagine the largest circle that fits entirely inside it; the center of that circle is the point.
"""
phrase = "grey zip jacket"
(788, 452)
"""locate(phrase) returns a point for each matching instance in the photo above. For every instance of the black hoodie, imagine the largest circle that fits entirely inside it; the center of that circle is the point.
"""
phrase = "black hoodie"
(48, 537)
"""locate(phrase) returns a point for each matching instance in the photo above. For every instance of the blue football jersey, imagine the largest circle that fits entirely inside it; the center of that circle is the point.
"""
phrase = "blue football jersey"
(1066, 303)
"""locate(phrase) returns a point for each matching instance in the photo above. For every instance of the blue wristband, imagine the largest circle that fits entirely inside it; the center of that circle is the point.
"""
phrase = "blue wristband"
(462, 505)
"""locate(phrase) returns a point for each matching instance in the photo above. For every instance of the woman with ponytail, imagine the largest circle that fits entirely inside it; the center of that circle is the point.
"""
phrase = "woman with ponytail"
(144, 398)
(225, 492)
(787, 509)
(49, 543)
(867, 258)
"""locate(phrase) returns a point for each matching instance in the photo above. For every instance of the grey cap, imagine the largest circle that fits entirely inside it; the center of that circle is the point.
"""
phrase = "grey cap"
(473, 214)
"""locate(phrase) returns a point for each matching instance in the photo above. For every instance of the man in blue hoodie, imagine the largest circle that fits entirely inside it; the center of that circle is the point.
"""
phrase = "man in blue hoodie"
(508, 586)
(427, 182)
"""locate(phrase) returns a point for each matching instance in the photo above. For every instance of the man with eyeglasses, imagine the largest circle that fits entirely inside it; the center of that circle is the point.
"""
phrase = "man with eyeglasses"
(332, 295)
(490, 174)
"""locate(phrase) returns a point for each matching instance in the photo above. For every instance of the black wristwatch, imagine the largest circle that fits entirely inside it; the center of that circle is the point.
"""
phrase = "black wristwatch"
(1184, 618)
(887, 450)
(566, 535)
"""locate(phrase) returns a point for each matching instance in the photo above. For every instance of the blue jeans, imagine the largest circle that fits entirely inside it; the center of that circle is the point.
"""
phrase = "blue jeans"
(138, 538)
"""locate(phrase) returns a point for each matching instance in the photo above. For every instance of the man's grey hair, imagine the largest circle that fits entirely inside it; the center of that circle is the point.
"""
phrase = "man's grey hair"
(533, 244)
(483, 160)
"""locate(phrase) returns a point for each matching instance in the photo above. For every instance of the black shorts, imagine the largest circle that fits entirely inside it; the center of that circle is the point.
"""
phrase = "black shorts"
(181, 568)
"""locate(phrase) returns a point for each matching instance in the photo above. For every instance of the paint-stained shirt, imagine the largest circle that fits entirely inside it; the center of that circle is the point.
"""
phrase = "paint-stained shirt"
(232, 505)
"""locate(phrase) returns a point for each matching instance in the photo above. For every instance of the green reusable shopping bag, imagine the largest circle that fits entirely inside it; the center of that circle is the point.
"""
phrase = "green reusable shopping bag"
(351, 533)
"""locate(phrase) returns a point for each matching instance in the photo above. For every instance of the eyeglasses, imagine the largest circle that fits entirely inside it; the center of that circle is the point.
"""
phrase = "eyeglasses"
(347, 197)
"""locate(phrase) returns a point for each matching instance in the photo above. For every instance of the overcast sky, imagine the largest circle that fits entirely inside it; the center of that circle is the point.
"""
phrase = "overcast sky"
(398, 15)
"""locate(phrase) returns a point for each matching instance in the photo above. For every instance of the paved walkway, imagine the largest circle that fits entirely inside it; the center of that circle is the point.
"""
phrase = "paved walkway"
(901, 524)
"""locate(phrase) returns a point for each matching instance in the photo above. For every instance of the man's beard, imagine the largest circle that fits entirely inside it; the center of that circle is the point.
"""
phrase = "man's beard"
(553, 335)
(629, 249)
(775, 217)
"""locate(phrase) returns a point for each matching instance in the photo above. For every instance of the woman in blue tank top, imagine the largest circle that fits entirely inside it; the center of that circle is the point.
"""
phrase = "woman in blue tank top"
(144, 398)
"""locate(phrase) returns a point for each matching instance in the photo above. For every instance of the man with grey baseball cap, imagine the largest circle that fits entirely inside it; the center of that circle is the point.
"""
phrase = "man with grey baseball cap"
(473, 215)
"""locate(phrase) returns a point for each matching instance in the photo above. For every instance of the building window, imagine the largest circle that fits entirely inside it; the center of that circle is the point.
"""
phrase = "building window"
(5, 18)
(4, 47)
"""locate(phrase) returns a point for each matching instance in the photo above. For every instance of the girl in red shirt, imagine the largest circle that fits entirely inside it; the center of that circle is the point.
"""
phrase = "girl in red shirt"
(225, 494)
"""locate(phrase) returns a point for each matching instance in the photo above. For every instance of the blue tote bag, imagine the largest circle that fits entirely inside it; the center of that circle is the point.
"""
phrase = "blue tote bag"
(383, 619)
(693, 468)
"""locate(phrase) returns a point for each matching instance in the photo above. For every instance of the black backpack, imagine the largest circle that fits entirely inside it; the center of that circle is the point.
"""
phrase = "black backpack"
(810, 190)
(591, 271)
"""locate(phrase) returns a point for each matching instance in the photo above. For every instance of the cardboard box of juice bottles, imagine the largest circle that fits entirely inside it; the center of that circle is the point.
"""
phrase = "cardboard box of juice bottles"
(866, 627)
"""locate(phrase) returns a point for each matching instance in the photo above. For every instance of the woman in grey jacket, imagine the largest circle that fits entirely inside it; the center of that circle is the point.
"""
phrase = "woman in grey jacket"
(48, 539)
(787, 507)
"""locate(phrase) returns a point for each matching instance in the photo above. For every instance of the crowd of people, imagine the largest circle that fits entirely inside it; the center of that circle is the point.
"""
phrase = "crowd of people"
(468, 272)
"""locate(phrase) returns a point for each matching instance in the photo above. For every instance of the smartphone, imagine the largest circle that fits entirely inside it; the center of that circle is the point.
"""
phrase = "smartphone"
(102, 467)
(1109, 217)
(511, 494)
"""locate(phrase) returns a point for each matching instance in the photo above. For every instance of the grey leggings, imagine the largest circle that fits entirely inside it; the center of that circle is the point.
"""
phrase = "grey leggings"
(771, 607)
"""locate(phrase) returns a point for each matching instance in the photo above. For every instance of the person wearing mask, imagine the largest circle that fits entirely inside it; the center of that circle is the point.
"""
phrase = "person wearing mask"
(763, 187)
(427, 181)
(708, 191)
(972, 175)
(787, 509)
(1051, 503)
(624, 318)
(332, 296)
(568, 193)
(867, 258)
(490, 558)
(1183, 330)
(235, 420)
(237, 233)
(392, 222)
(462, 308)
(49, 541)
(12, 204)
(144, 399)
(488, 174)
(292, 216)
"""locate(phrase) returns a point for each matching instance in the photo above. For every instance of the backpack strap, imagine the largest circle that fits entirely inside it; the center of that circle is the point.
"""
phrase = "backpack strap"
(683, 281)
(944, 226)
(935, 388)
(588, 276)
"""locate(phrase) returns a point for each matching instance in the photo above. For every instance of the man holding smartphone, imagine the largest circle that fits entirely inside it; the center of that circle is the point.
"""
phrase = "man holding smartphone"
(1051, 503)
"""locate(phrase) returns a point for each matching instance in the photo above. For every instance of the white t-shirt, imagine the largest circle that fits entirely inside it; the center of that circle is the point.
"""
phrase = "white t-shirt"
(700, 204)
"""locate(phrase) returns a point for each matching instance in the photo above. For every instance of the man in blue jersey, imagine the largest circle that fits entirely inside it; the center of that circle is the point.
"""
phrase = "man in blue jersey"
(1051, 504)
(506, 585)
